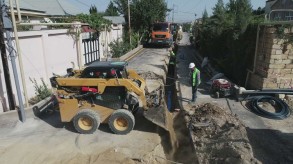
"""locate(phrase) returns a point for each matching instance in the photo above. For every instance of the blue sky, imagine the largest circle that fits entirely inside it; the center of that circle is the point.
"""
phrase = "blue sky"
(184, 10)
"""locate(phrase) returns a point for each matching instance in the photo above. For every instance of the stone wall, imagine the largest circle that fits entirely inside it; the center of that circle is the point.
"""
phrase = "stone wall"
(274, 61)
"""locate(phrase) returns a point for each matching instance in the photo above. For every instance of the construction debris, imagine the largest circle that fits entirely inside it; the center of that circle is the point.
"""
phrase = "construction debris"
(149, 75)
(218, 136)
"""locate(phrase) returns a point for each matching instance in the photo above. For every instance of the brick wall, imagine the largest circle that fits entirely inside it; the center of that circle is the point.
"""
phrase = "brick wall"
(274, 61)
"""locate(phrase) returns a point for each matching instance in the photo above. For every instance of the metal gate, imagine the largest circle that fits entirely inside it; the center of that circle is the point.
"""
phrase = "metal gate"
(91, 49)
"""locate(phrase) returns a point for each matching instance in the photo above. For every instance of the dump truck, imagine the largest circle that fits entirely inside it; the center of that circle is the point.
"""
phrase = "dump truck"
(108, 92)
(161, 34)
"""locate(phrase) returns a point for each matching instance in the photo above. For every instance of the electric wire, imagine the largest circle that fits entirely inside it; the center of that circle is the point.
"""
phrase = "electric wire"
(82, 3)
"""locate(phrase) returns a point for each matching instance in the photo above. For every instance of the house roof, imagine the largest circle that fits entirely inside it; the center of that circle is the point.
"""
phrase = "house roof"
(269, 4)
(55, 7)
(115, 19)
(49, 7)
(25, 6)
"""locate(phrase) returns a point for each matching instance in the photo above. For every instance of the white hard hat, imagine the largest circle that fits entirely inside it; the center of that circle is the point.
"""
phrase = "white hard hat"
(191, 65)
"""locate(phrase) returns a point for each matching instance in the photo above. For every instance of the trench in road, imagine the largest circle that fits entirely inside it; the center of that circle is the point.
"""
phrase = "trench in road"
(182, 151)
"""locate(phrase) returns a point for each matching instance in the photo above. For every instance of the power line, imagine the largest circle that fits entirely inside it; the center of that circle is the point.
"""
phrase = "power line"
(82, 3)
(198, 3)
(185, 12)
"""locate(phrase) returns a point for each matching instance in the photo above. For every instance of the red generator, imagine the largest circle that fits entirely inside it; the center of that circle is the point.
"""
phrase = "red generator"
(221, 88)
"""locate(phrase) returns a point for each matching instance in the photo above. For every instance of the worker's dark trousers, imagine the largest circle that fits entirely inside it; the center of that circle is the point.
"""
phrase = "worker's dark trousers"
(171, 70)
(194, 90)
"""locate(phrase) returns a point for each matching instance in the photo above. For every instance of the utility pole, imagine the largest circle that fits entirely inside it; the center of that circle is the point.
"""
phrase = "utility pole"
(77, 37)
(173, 13)
(129, 27)
(8, 30)
(18, 49)
(4, 58)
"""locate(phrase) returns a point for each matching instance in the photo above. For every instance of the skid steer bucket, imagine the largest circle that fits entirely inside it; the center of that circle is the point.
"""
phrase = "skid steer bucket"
(163, 118)
(160, 116)
(157, 111)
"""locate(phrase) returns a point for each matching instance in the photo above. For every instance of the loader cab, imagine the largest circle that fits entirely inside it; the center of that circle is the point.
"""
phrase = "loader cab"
(106, 70)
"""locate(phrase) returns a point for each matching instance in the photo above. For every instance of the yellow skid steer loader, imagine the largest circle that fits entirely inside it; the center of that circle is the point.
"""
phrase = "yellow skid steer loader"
(106, 92)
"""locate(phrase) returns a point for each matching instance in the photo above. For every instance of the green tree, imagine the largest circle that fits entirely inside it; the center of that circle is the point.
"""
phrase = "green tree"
(205, 15)
(147, 12)
(258, 15)
(93, 9)
(122, 7)
(243, 15)
(111, 10)
(186, 27)
(259, 11)
(219, 18)
(231, 6)
(231, 12)
(219, 9)
(228, 37)
(95, 20)
(143, 13)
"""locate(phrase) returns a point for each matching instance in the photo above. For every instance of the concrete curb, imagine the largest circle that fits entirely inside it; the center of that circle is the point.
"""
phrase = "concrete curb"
(28, 111)
(128, 54)
(10, 118)
(125, 56)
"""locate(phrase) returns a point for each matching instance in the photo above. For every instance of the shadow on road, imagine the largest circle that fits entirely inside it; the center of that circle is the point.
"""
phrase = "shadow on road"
(53, 118)
(271, 146)
(148, 45)
(141, 124)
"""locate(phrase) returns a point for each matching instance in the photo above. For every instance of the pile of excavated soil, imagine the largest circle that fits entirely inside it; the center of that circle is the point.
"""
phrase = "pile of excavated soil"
(218, 136)
(150, 75)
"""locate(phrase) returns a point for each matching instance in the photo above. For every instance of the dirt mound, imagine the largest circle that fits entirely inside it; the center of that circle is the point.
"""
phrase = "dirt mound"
(218, 136)
(150, 75)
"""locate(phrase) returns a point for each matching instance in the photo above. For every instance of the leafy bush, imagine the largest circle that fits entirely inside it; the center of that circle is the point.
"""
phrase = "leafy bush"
(95, 20)
(41, 91)
(119, 48)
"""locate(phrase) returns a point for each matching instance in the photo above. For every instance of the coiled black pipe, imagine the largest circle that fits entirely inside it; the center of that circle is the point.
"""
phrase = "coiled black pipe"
(282, 109)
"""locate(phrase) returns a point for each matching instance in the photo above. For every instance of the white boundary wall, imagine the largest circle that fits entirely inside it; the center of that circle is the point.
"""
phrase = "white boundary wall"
(43, 52)
(106, 38)
(46, 52)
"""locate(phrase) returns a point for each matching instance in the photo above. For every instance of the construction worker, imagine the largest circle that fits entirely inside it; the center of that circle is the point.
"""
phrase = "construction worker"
(172, 63)
(175, 48)
(195, 80)
(172, 54)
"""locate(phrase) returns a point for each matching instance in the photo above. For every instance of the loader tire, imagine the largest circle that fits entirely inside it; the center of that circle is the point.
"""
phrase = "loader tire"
(86, 121)
(121, 121)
